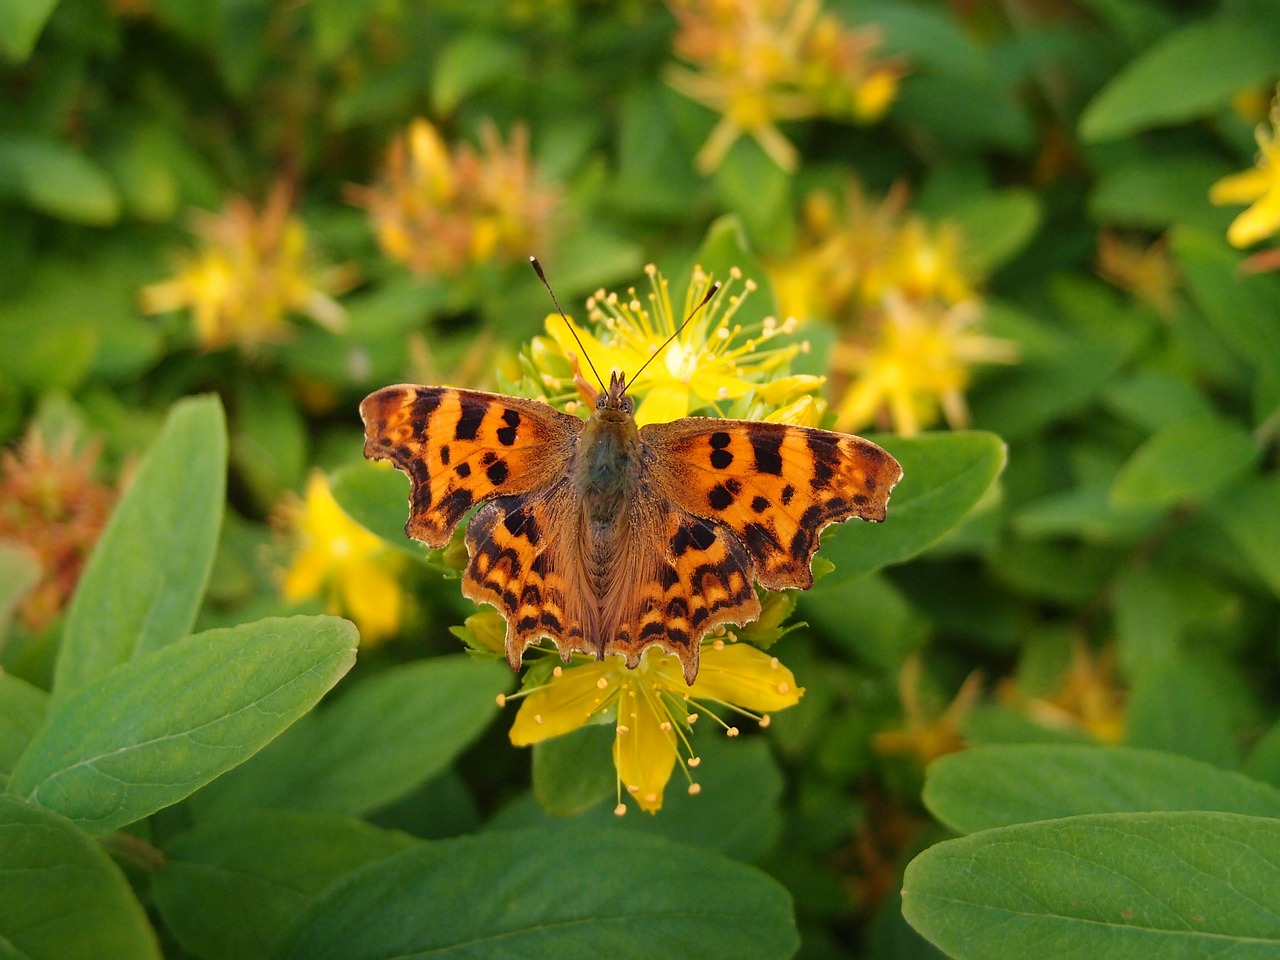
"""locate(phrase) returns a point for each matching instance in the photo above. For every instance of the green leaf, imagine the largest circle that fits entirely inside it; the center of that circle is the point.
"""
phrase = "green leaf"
(61, 897)
(996, 227)
(378, 500)
(22, 712)
(1171, 885)
(607, 894)
(725, 247)
(230, 888)
(1241, 308)
(756, 191)
(737, 810)
(1155, 192)
(1175, 705)
(19, 572)
(944, 476)
(575, 772)
(1186, 75)
(1251, 514)
(143, 584)
(269, 444)
(996, 786)
(1186, 461)
(154, 730)
(381, 739)
(55, 179)
(468, 63)
(21, 23)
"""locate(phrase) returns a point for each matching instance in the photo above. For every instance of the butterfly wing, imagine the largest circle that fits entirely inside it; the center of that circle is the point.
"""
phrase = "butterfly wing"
(774, 486)
(463, 447)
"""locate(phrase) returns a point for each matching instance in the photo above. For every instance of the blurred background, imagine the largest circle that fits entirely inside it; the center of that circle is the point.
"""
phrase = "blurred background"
(1052, 220)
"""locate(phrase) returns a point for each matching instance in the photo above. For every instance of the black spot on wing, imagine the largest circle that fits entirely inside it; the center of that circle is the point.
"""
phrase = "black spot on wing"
(469, 421)
(507, 434)
(454, 504)
(463, 470)
(444, 455)
(759, 504)
(787, 493)
(424, 405)
(497, 473)
(721, 459)
(720, 440)
(766, 446)
(759, 539)
(720, 497)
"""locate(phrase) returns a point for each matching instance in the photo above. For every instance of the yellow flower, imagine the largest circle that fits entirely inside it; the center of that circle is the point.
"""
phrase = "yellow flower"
(253, 272)
(714, 359)
(653, 708)
(338, 560)
(1145, 271)
(916, 363)
(1259, 187)
(1089, 698)
(439, 210)
(758, 62)
(923, 736)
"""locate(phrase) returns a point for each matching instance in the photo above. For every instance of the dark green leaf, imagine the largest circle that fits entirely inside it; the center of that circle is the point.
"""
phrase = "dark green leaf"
(996, 227)
(61, 897)
(945, 475)
(1155, 192)
(1184, 76)
(230, 888)
(381, 739)
(21, 22)
(157, 728)
(1001, 785)
(1174, 705)
(575, 772)
(471, 62)
(144, 582)
(22, 712)
(612, 894)
(1186, 461)
(1251, 514)
(378, 499)
(1171, 885)
(55, 179)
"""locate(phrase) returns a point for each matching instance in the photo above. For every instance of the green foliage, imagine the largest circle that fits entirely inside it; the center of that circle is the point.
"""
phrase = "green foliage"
(194, 763)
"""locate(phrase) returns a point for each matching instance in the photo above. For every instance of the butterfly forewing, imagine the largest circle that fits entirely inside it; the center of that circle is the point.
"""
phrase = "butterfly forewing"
(775, 486)
(462, 447)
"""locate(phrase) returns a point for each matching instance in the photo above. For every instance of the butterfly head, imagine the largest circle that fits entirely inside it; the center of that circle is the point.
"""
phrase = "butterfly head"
(614, 403)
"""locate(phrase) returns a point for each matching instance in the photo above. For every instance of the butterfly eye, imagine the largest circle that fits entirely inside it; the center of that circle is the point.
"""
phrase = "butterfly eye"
(600, 402)
(628, 405)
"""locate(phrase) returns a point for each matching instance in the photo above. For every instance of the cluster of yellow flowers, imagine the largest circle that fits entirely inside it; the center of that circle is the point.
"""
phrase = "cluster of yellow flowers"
(1259, 187)
(906, 310)
(758, 62)
(438, 210)
(253, 271)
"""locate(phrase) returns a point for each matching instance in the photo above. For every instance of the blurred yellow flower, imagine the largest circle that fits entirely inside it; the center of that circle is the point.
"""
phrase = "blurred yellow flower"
(758, 62)
(1259, 187)
(906, 308)
(438, 210)
(915, 362)
(1089, 698)
(51, 502)
(254, 270)
(1146, 271)
(653, 708)
(922, 736)
(713, 359)
(349, 568)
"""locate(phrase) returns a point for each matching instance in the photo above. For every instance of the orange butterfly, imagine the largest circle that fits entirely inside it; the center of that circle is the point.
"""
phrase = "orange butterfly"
(612, 538)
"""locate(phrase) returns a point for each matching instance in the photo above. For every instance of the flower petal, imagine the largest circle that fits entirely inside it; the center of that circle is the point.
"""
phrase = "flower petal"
(746, 676)
(1257, 223)
(643, 751)
(373, 598)
(565, 703)
(1241, 187)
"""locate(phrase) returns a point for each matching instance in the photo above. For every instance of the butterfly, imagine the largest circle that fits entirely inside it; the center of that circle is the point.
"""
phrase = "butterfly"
(609, 538)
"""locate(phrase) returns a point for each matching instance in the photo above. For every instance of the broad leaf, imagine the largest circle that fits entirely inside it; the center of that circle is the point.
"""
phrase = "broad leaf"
(144, 582)
(1001, 785)
(1185, 461)
(22, 711)
(154, 730)
(586, 893)
(230, 888)
(385, 736)
(1114, 886)
(1184, 76)
(1251, 514)
(945, 475)
(61, 897)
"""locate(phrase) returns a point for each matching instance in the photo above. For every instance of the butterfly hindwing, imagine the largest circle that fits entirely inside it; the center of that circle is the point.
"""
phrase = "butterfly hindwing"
(462, 447)
(775, 486)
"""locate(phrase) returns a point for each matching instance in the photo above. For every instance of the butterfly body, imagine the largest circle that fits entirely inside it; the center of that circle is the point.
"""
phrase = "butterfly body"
(612, 538)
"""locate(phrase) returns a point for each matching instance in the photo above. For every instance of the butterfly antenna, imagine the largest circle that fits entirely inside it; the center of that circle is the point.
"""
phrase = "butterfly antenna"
(537, 268)
(715, 288)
